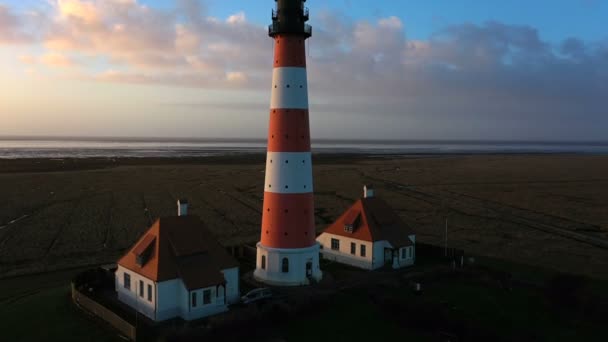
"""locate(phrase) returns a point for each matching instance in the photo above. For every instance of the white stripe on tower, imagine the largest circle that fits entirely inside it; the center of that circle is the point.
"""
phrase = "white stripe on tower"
(289, 88)
(288, 172)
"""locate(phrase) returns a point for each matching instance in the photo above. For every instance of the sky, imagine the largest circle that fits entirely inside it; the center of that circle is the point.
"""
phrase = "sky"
(383, 69)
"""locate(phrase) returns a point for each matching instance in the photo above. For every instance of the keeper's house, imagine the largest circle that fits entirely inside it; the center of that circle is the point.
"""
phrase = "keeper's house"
(369, 235)
(178, 269)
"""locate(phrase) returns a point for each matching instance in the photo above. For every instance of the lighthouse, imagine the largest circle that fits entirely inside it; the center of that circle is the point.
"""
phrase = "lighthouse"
(287, 254)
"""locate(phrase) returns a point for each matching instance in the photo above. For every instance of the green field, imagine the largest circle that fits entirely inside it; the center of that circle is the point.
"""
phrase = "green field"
(49, 315)
(39, 308)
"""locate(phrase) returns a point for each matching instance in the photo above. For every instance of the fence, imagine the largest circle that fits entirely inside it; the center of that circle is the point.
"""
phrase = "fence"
(104, 313)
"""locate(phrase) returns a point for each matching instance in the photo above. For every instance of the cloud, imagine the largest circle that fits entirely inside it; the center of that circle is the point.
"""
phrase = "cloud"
(235, 19)
(84, 11)
(467, 75)
(56, 60)
(10, 27)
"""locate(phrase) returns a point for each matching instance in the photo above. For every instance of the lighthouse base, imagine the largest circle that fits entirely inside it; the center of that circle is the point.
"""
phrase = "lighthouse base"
(287, 267)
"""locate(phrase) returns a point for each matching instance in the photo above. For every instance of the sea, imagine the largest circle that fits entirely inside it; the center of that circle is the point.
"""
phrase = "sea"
(70, 147)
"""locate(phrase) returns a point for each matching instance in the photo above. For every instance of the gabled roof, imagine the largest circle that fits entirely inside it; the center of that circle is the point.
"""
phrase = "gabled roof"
(179, 247)
(377, 222)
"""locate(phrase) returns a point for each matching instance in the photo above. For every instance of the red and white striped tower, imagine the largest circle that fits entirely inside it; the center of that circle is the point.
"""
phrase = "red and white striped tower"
(287, 253)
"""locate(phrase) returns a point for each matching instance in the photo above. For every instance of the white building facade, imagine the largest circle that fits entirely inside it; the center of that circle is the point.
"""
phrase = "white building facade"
(369, 235)
(168, 299)
(177, 269)
(366, 254)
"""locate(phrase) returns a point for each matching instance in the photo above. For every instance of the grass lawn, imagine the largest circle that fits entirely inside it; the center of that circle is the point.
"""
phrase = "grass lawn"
(350, 317)
(49, 315)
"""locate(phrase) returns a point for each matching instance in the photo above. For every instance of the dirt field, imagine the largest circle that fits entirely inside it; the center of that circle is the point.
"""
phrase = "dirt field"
(549, 210)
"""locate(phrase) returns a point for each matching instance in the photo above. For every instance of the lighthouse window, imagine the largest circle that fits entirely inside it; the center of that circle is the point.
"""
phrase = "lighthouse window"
(287, 162)
(263, 262)
(286, 186)
(301, 87)
(270, 186)
(288, 86)
(285, 265)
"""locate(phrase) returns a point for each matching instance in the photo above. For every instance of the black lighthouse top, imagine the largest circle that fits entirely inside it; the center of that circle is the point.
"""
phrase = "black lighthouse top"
(290, 17)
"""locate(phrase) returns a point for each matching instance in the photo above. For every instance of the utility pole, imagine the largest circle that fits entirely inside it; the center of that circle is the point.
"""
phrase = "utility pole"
(446, 236)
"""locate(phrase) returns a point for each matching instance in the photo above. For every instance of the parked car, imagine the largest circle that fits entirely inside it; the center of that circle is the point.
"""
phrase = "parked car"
(256, 295)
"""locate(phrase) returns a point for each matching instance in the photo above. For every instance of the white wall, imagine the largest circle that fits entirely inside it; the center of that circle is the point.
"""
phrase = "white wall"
(233, 294)
(379, 247)
(169, 301)
(201, 310)
(374, 257)
(298, 257)
(131, 296)
(343, 255)
(171, 298)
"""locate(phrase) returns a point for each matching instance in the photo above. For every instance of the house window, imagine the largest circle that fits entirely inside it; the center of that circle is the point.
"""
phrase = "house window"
(363, 251)
(127, 281)
(403, 252)
(206, 297)
(141, 288)
(353, 248)
(410, 252)
(149, 293)
(193, 299)
(263, 262)
(285, 265)
(335, 244)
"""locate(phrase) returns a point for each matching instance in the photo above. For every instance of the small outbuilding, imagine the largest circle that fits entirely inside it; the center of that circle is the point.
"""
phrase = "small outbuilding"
(178, 269)
(369, 235)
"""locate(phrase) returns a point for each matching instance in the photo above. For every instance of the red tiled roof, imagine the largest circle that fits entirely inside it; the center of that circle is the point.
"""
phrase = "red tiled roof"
(182, 248)
(144, 244)
(378, 222)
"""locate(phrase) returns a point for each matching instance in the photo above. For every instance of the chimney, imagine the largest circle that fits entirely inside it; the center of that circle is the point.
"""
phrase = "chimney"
(182, 207)
(368, 191)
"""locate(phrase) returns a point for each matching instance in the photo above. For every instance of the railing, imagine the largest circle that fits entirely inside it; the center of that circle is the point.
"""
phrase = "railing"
(305, 14)
(276, 28)
(308, 30)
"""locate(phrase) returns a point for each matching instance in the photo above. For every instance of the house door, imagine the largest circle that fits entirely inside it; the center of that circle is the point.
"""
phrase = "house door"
(309, 269)
(388, 256)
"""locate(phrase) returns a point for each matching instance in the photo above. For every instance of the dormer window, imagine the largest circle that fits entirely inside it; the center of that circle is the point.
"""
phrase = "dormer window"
(351, 222)
(143, 251)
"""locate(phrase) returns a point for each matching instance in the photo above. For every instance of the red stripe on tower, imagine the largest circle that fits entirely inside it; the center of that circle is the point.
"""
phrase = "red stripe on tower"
(287, 252)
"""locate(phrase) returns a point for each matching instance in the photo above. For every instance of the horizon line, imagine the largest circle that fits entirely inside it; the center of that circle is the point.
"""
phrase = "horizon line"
(263, 139)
